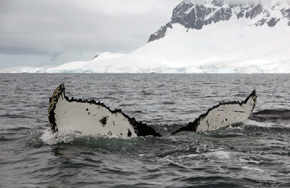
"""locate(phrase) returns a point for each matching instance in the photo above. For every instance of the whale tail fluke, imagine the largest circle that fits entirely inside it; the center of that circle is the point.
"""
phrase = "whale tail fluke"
(95, 118)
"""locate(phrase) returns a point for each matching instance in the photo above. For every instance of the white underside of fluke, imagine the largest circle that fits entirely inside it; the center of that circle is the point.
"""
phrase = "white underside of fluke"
(91, 119)
(222, 115)
(225, 115)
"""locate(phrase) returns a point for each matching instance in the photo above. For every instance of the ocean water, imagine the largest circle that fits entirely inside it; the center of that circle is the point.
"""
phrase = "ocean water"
(255, 153)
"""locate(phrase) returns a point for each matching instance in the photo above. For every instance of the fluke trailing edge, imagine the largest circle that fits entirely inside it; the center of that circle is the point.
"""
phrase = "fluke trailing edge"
(95, 118)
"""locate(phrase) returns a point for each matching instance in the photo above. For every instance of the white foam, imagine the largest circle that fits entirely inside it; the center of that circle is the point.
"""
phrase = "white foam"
(221, 154)
(50, 138)
(255, 169)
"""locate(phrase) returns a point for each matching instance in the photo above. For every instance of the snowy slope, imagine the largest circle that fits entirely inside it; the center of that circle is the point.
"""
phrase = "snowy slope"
(211, 36)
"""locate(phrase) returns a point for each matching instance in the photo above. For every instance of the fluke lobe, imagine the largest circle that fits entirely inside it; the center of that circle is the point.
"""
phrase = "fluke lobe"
(92, 118)
(223, 115)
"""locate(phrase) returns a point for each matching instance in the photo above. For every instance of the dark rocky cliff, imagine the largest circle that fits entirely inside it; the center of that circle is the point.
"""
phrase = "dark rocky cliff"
(197, 15)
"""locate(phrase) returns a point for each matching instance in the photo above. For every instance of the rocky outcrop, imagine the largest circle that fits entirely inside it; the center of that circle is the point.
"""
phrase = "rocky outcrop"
(195, 15)
(160, 33)
(286, 14)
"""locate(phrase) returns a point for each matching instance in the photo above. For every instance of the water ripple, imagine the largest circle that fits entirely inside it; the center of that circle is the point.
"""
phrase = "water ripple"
(252, 154)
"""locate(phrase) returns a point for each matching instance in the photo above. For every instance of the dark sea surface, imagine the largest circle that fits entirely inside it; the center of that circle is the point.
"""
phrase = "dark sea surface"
(255, 153)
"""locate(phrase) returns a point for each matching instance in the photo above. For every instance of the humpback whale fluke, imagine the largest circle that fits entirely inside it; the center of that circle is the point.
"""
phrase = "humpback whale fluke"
(92, 118)
(223, 115)
(95, 118)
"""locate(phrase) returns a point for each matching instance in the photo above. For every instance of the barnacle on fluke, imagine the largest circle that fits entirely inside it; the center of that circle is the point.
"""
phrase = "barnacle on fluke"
(95, 118)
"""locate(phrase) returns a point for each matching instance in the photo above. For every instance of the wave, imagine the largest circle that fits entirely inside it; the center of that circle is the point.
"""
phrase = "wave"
(271, 115)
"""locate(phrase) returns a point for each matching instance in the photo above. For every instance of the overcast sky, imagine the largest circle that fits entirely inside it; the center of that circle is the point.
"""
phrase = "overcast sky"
(34, 32)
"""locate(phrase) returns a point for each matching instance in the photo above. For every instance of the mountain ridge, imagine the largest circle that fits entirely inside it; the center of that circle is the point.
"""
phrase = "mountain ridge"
(195, 14)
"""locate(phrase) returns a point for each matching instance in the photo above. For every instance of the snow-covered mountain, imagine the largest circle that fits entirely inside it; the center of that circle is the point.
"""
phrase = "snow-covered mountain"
(207, 36)
(194, 14)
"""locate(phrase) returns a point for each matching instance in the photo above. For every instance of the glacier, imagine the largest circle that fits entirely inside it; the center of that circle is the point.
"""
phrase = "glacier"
(236, 44)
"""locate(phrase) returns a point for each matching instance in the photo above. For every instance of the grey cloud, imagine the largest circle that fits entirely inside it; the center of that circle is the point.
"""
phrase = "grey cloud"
(21, 51)
(50, 27)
